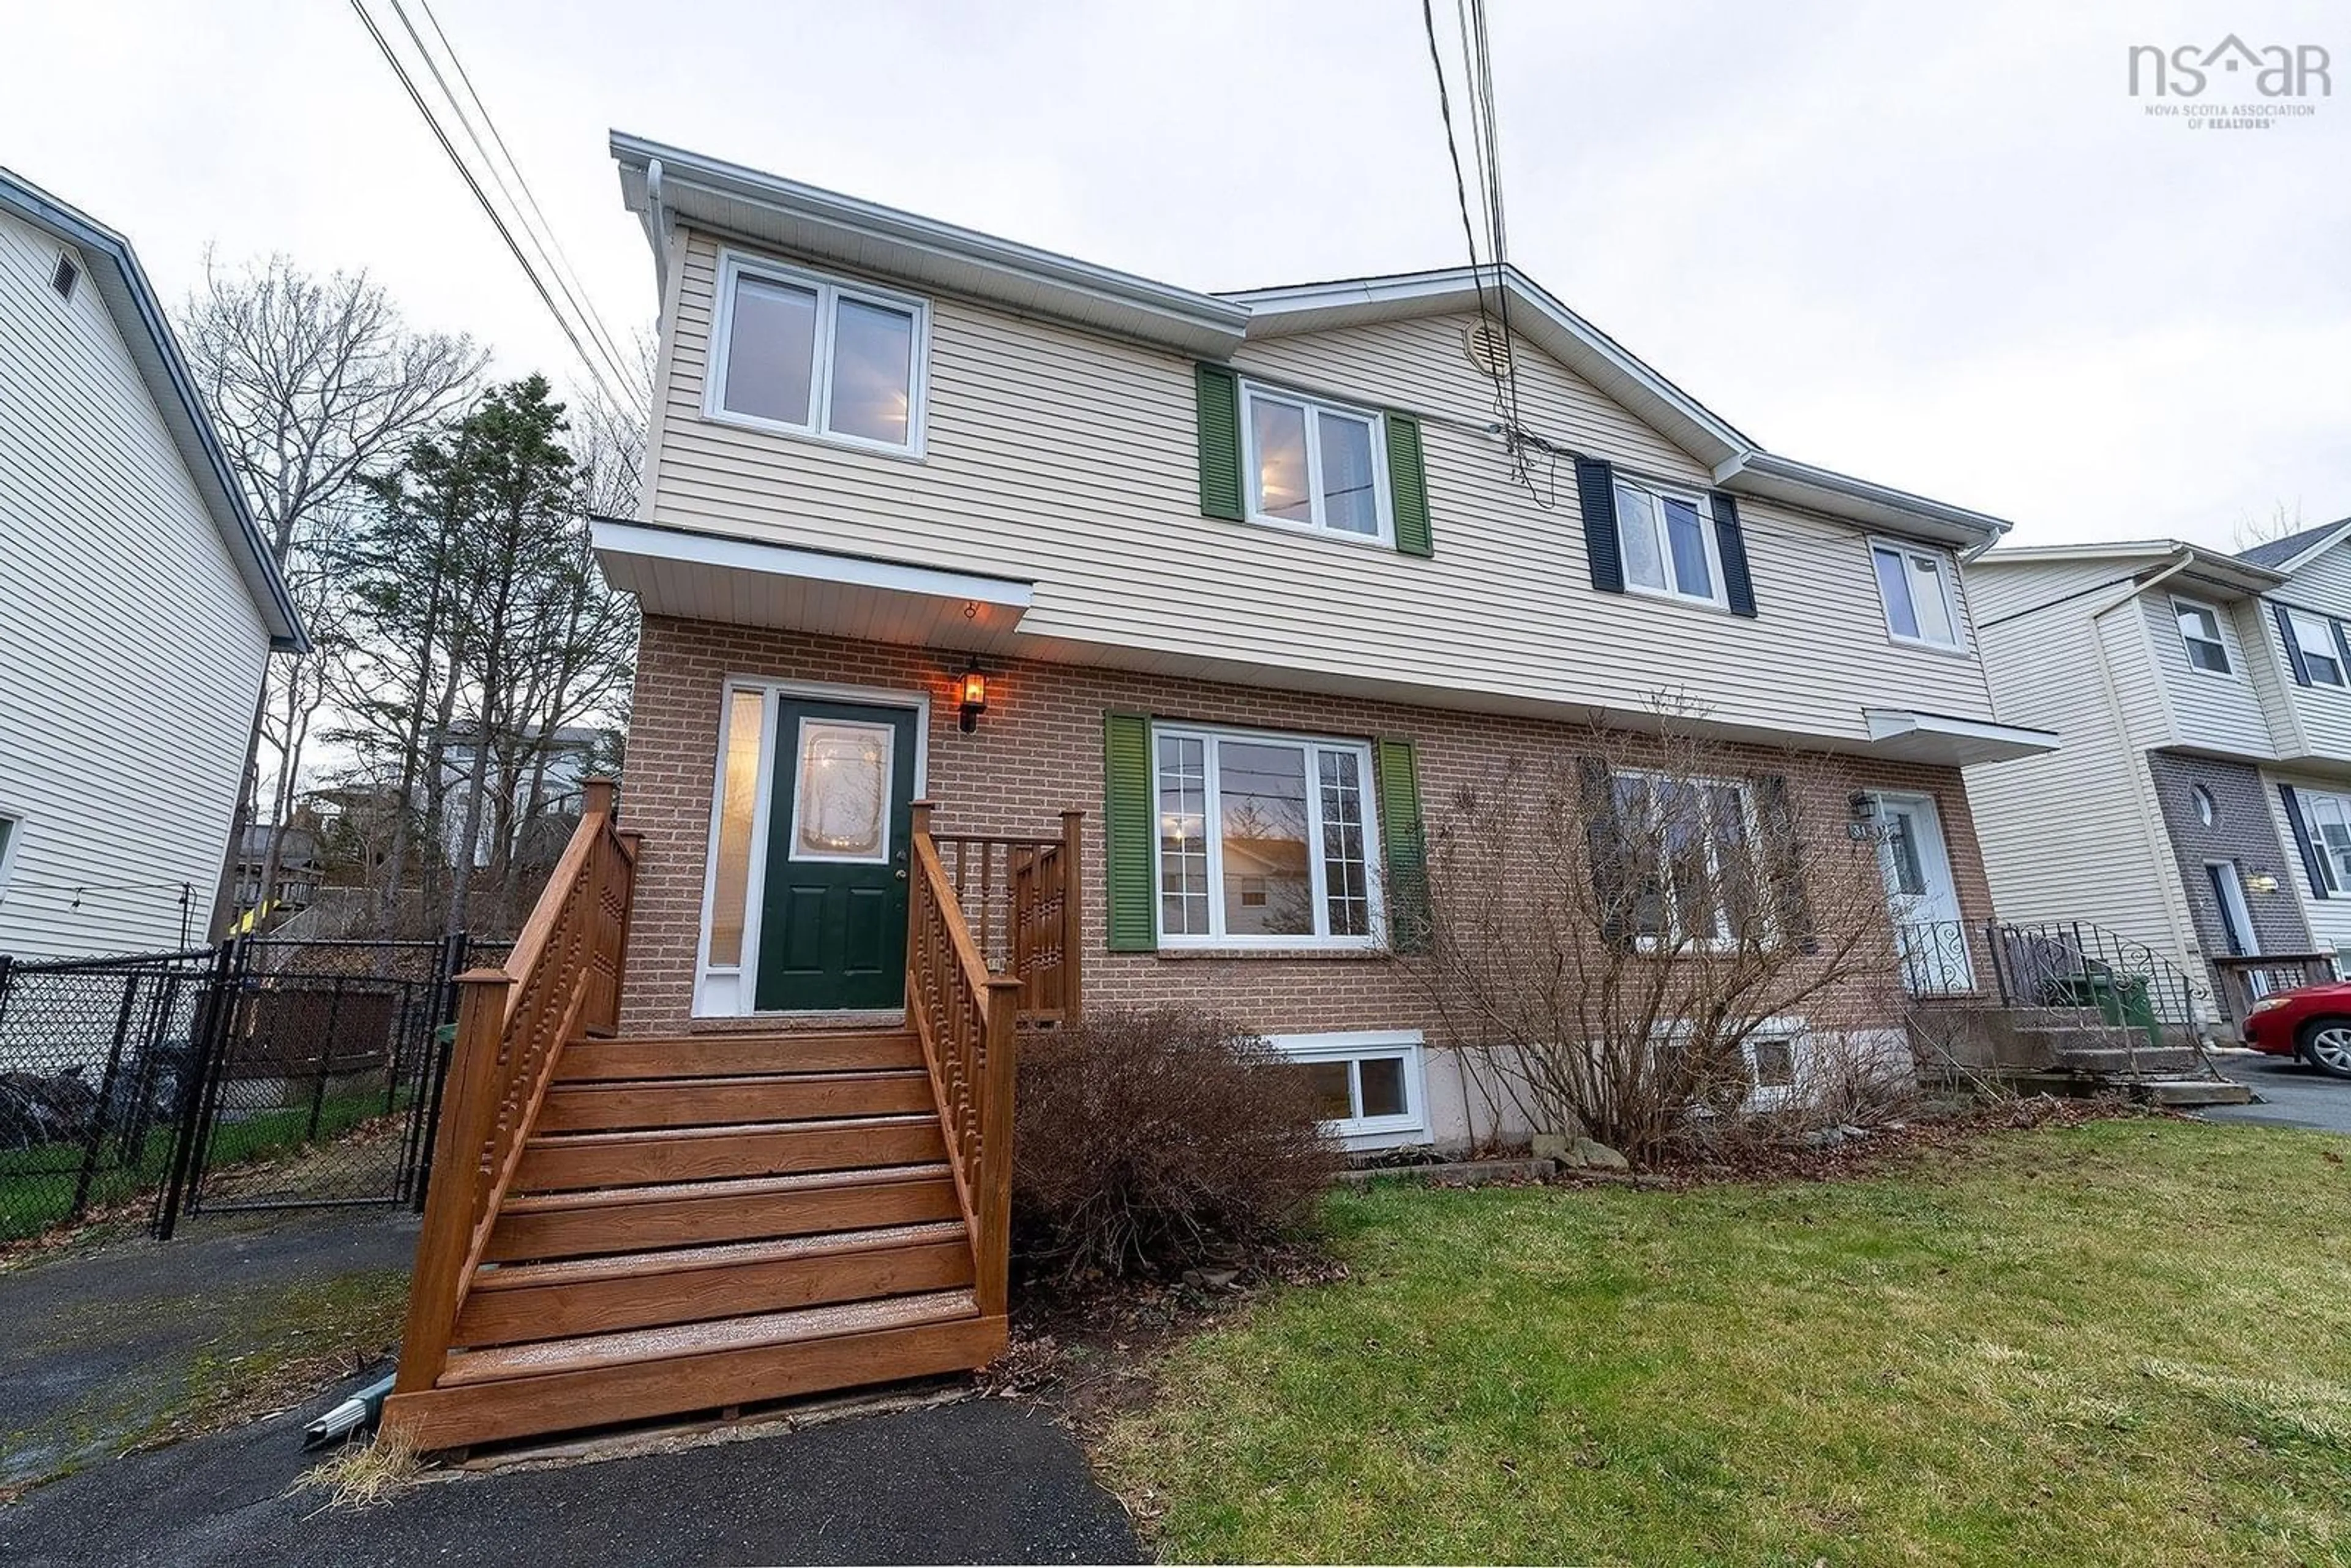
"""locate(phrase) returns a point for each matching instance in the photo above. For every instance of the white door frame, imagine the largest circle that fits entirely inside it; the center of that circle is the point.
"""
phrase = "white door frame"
(2228, 884)
(728, 992)
(1953, 969)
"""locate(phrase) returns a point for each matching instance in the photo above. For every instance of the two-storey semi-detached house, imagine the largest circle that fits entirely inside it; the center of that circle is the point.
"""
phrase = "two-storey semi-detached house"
(1221, 560)
(138, 603)
(1239, 583)
(2199, 810)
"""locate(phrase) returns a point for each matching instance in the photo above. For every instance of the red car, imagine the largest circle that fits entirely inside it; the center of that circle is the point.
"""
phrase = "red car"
(2313, 1022)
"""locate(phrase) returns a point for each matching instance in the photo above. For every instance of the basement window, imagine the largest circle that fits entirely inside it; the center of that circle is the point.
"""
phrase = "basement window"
(64, 279)
(1368, 1085)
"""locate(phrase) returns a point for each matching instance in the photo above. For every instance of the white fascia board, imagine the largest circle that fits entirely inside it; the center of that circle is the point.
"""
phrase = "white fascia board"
(1859, 500)
(610, 535)
(1546, 322)
(2208, 568)
(902, 244)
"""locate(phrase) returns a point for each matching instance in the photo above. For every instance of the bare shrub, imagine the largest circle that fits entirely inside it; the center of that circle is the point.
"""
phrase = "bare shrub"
(1151, 1139)
(1630, 940)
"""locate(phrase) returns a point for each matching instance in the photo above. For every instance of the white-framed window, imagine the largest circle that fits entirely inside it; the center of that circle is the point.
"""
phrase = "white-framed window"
(1693, 874)
(1312, 463)
(1775, 1056)
(12, 830)
(809, 355)
(2199, 634)
(2328, 819)
(1368, 1085)
(1666, 540)
(1919, 588)
(2313, 636)
(1265, 840)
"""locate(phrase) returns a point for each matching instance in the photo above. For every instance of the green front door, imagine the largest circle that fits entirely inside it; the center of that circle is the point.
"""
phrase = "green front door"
(832, 921)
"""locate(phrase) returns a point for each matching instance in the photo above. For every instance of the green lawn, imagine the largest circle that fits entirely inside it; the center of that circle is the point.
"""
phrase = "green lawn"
(2126, 1343)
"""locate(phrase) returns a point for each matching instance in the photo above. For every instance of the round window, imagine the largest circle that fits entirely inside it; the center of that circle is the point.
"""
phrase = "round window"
(2206, 812)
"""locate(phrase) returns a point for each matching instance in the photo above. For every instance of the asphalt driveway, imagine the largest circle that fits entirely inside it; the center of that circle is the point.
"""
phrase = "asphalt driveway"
(2291, 1093)
(982, 1481)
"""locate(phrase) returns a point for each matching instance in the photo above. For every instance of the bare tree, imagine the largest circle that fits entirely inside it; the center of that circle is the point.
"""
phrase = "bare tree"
(1615, 937)
(2282, 519)
(312, 384)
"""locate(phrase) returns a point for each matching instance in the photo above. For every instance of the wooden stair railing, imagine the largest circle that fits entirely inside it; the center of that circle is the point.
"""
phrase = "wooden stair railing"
(563, 979)
(1020, 899)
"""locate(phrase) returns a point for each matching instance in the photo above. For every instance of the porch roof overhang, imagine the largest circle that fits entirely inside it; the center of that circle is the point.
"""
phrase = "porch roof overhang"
(709, 577)
(1908, 735)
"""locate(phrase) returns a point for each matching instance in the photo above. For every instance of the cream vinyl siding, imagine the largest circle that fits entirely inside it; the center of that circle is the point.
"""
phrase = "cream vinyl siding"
(130, 654)
(2208, 712)
(1069, 459)
(2075, 834)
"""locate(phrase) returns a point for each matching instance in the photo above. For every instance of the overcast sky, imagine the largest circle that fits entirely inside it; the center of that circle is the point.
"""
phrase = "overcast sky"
(1945, 252)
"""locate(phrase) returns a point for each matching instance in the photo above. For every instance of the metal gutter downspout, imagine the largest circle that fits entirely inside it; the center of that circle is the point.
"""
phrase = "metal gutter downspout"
(657, 227)
(2159, 838)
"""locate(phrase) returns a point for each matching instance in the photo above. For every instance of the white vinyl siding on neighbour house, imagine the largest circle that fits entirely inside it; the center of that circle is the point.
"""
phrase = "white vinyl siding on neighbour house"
(2101, 855)
(1070, 459)
(2329, 914)
(2208, 711)
(132, 651)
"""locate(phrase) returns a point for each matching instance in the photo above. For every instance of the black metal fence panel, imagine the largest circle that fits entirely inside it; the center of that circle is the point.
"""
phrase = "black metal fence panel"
(97, 1057)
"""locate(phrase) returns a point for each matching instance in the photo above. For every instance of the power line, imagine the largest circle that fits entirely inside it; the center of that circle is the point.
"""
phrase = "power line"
(549, 246)
(383, 47)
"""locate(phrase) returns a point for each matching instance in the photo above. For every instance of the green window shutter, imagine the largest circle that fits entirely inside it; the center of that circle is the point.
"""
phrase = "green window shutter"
(1220, 393)
(1408, 485)
(1126, 831)
(1399, 767)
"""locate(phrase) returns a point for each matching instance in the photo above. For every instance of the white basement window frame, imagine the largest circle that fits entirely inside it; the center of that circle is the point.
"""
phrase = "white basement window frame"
(833, 300)
(1384, 1083)
(1780, 1059)
(12, 835)
(1657, 562)
(2200, 637)
(1919, 588)
(1320, 421)
(2322, 656)
(1189, 870)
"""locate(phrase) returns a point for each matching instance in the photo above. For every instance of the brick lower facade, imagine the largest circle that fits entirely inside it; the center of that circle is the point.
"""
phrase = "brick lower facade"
(1040, 748)
(2241, 833)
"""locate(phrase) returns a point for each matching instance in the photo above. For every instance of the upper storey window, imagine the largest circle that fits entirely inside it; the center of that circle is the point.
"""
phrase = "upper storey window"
(811, 356)
(1922, 594)
(2199, 635)
(1314, 464)
(1669, 543)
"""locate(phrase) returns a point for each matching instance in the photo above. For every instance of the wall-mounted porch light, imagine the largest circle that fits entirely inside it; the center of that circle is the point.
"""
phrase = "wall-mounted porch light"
(2261, 882)
(971, 691)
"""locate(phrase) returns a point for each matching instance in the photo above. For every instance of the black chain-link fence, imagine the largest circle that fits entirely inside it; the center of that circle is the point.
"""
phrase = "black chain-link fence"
(97, 1057)
(259, 1074)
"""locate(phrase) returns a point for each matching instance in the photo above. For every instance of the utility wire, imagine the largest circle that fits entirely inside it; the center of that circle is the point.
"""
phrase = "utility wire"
(383, 47)
(551, 246)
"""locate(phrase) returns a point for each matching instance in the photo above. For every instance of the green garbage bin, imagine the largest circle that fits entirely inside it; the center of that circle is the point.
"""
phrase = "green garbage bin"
(2121, 1000)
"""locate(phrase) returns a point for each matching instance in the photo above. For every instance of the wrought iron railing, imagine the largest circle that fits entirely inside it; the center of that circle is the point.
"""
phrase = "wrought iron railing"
(2089, 967)
(1936, 957)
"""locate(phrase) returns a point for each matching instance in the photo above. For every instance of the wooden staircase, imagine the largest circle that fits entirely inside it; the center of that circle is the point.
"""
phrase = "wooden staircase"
(635, 1227)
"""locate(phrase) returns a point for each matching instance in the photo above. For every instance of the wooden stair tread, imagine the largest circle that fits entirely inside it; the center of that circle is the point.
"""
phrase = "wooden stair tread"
(724, 1055)
(623, 1136)
(591, 1352)
(605, 1106)
(737, 1186)
(686, 1260)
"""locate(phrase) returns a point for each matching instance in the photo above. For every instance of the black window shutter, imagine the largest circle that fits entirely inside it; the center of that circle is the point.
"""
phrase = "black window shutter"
(1219, 393)
(1595, 491)
(1783, 860)
(2312, 866)
(1731, 543)
(2293, 649)
(1612, 874)
(2342, 647)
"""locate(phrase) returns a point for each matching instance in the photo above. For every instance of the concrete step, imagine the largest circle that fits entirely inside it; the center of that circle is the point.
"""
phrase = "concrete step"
(2188, 1091)
(2123, 1059)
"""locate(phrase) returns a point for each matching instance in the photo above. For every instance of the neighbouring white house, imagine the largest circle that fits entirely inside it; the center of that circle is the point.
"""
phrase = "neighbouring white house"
(138, 603)
(2199, 811)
